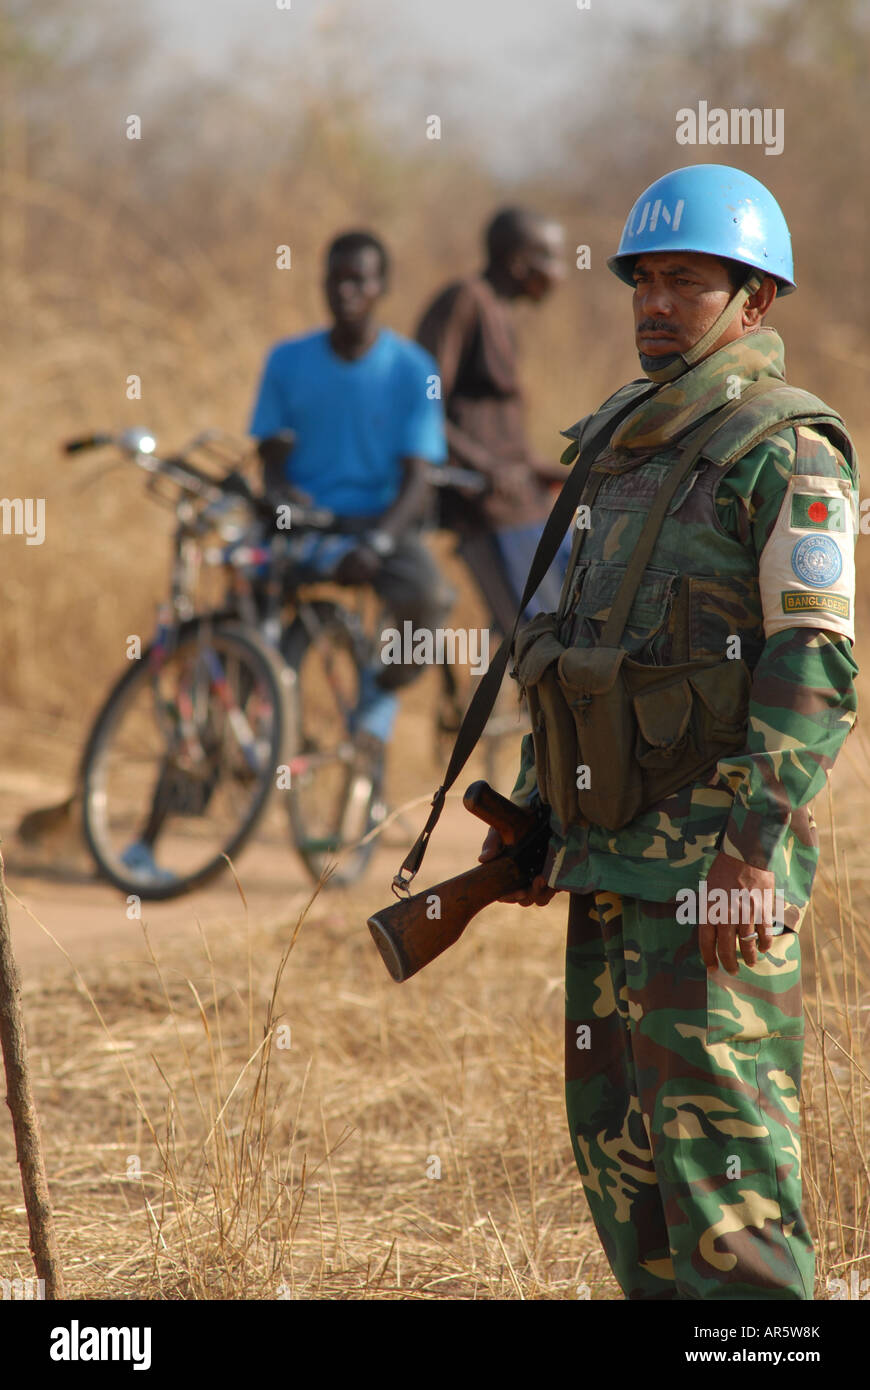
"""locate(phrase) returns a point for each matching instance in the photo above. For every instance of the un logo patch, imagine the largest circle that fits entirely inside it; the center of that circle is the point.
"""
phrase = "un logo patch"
(817, 561)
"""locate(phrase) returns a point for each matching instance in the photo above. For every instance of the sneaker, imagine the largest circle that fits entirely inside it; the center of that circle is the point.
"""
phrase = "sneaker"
(139, 859)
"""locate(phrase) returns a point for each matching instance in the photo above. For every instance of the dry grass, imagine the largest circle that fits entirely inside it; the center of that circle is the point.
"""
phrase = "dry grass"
(836, 1084)
(194, 1155)
(307, 1171)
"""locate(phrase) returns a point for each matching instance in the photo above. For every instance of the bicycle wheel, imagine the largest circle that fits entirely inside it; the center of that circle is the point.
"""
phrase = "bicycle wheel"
(182, 758)
(336, 782)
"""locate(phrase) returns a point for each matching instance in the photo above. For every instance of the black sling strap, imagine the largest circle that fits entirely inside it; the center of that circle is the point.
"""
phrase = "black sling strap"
(484, 697)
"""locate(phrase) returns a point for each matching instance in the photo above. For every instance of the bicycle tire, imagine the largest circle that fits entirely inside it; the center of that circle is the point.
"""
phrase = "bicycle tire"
(262, 679)
(335, 795)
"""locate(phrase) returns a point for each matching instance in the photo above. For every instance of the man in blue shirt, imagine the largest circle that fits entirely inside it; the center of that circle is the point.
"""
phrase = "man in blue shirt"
(366, 421)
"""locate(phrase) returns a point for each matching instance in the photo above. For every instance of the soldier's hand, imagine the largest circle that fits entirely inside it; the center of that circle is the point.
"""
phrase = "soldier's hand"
(538, 893)
(754, 915)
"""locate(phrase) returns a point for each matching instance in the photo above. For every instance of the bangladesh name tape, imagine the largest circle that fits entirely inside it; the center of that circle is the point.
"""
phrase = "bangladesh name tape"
(796, 602)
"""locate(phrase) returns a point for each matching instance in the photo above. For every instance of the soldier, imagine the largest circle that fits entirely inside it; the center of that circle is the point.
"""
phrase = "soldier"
(686, 709)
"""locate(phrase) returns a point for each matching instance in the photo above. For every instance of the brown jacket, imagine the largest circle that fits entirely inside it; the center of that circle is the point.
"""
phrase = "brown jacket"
(469, 331)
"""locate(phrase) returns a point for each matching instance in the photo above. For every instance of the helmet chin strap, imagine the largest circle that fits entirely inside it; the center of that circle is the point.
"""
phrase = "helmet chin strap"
(675, 364)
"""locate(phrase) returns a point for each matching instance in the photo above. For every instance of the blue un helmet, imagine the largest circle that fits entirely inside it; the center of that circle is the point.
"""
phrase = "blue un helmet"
(714, 210)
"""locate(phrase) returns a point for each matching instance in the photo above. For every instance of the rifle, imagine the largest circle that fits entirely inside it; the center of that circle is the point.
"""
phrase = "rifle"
(412, 932)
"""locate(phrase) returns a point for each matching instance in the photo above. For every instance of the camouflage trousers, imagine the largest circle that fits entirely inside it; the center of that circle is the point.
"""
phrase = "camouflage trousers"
(683, 1100)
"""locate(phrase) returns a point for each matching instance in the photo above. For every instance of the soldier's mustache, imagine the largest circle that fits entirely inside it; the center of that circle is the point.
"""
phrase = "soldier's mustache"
(655, 326)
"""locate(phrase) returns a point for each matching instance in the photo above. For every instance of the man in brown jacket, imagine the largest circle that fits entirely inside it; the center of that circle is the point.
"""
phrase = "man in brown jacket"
(469, 330)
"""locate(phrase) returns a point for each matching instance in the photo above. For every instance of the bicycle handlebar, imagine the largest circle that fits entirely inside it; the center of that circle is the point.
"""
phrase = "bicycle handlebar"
(87, 441)
(138, 444)
(131, 442)
(191, 478)
(448, 475)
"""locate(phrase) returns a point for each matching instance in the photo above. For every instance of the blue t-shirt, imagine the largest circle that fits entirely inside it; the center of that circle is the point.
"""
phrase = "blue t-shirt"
(354, 421)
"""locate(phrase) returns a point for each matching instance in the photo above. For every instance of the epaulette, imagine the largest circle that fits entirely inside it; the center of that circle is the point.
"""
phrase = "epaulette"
(765, 415)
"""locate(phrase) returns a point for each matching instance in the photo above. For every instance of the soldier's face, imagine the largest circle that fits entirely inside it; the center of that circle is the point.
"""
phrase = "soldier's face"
(677, 297)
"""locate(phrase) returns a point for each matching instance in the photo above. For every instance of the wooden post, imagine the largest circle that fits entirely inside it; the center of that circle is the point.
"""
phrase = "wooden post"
(19, 1098)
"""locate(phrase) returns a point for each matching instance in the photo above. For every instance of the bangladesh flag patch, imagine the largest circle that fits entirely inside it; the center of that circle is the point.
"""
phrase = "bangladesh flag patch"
(812, 512)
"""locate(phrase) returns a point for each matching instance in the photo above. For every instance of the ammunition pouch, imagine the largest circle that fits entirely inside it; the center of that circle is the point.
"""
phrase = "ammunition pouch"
(613, 736)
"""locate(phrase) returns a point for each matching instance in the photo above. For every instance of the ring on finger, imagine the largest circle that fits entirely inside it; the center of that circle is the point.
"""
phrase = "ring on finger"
(749, 936)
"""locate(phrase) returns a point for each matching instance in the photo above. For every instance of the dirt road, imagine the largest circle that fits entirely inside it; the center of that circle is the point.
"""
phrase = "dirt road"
(57, 882)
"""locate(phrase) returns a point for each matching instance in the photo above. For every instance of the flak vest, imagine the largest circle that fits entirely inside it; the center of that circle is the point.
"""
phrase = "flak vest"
(622, 719)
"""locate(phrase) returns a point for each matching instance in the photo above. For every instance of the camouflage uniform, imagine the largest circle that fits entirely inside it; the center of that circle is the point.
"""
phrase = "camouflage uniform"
(683, 1085)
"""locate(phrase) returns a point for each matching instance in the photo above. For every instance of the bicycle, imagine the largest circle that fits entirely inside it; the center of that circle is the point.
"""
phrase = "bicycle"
(225, 704)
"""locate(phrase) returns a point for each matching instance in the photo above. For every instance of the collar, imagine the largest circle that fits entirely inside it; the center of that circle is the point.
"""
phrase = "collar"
(717, 379)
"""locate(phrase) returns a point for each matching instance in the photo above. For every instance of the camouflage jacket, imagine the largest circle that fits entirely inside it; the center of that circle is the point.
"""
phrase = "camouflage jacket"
(760, 550)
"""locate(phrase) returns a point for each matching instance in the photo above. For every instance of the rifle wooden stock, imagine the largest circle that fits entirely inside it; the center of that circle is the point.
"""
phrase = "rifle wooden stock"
(413, 931)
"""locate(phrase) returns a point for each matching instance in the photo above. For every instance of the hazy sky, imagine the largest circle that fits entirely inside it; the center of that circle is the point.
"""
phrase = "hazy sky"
(499, 68)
